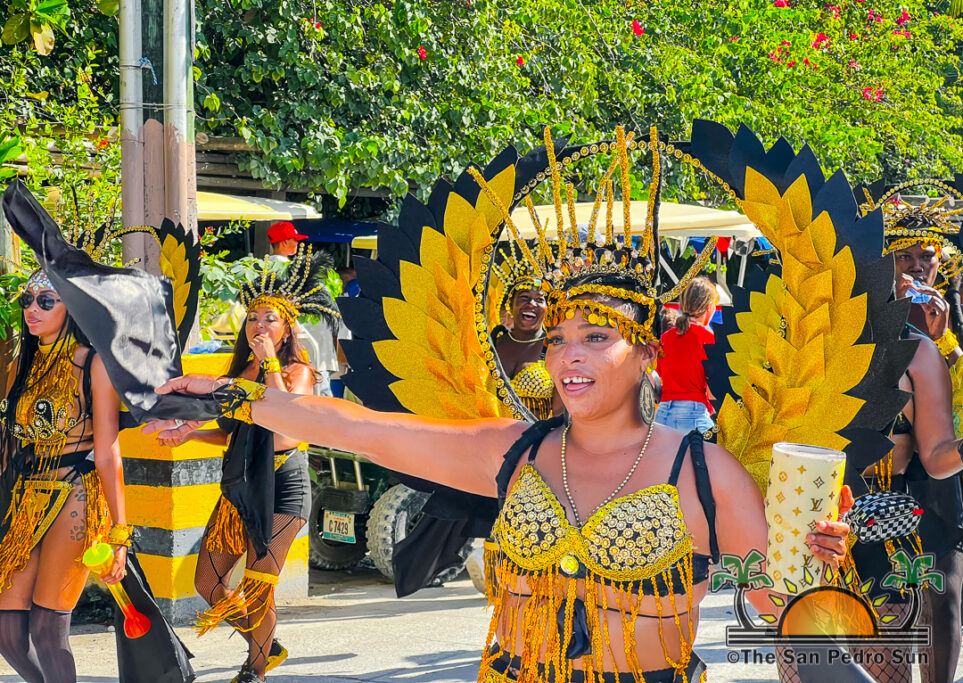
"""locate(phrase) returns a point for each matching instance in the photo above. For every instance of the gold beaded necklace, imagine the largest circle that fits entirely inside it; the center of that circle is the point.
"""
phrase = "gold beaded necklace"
(568, 492)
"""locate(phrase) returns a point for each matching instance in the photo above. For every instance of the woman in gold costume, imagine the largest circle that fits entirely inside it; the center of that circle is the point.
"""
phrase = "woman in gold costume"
(521, 349)
(607, 522)
(63, 486)
(266, 350)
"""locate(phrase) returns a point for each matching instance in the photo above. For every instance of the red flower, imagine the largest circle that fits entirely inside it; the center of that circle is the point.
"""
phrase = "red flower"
(786, 42)
(733, 39)
(903, 18)
(867, 93)
(317, 25)
(853, 64)
(853, 36)
(422, 53)
(637, 28)
(520, 61)
(209, 230)
(820, 40)
(781, 3)
(878, 95)
(808, 63)
(834, 10)
(103, 142)
(774, 56)
(791, 64)
(203, 253)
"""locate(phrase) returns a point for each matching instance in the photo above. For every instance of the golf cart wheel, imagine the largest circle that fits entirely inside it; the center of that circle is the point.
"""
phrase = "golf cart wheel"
(392, 518)
(327, 554)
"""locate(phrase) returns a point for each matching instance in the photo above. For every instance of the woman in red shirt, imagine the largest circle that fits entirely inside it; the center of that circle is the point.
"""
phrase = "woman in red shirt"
(685, 395)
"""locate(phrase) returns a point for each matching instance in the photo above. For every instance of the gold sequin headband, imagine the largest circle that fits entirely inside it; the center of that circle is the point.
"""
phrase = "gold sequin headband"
(562, 305)
(38, 280)
(284, 308)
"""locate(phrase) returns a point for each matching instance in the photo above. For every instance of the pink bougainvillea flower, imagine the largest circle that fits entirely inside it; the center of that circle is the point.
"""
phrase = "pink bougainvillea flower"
(774, 55)
(867, 93)
(834, 10)
(781, 3)
(637, 28)
(422, 53)
(853, 36)
(733, 39)
(878, 95)
(820, 40)
(791, 64)
(520, 61)
(903, 18)
(786, 42)
(853, 64)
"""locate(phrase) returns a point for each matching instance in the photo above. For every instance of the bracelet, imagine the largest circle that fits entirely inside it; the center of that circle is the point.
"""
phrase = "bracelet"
(271, 365)
(947, 343)
(240, 394)
(120, 534)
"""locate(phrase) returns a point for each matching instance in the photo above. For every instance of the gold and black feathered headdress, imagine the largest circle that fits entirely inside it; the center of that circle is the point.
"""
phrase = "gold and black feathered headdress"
(934, 222)
(632, 254)
(300, 289)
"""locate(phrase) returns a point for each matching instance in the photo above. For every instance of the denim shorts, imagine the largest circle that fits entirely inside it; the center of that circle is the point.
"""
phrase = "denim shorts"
(684, 416)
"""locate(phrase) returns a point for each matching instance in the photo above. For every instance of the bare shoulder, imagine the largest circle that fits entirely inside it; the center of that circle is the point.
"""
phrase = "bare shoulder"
(730, 480)
(927, 353)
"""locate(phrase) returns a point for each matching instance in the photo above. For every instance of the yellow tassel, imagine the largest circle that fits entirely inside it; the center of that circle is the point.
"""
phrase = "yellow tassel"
(491, 558)
(25, 515)
(255, 587)
(227, 532)
(98, 514)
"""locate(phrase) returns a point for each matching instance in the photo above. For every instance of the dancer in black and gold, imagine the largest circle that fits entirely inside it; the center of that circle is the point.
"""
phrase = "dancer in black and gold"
(278, 499)
(608, 521)
(67, 494)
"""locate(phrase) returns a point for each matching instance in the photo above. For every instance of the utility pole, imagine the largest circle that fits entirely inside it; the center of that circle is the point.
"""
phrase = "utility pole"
(157, 120)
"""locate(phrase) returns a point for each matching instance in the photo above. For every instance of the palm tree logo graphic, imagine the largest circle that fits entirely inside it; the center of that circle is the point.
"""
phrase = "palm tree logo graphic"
(837, 610)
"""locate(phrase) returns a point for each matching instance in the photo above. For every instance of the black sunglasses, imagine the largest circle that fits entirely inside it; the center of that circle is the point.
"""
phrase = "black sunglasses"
(45, 301)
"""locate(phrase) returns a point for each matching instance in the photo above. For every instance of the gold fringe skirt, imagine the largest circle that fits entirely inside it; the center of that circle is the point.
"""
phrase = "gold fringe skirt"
(36, 505)
(250, 600)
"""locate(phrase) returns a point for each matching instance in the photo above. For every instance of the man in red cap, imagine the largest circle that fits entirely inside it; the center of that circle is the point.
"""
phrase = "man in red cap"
(284, 239)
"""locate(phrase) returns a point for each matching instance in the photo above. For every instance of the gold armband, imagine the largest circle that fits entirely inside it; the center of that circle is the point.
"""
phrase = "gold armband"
(271, 365)
(947, 343)
(244, 391)
(120, 534)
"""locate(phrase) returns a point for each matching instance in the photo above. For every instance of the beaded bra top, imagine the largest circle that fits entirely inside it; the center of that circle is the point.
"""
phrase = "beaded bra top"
(44, 409)
(632, 538)
(636, 545)
(535, 388)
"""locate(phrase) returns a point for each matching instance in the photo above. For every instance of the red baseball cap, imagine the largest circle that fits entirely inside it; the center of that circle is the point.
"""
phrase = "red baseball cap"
(284, 230)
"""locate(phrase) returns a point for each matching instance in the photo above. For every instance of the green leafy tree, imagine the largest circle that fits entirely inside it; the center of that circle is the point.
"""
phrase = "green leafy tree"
(346, 94)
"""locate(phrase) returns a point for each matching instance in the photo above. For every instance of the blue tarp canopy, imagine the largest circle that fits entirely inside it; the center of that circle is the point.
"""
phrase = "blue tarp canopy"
(334, 230)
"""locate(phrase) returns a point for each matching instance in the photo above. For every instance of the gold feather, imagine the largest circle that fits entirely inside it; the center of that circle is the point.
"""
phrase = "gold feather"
(795, 355)
(175, 265)
(436, 354)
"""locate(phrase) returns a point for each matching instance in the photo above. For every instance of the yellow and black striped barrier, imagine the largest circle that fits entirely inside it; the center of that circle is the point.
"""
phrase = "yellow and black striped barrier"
(171, 493)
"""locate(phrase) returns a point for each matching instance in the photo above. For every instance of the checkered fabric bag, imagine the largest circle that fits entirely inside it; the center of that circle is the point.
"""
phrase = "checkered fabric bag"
(884, 516)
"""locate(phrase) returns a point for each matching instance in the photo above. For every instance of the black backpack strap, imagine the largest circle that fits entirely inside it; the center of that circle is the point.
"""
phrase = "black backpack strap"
(704, 489)
(679, 458)
(535, 433)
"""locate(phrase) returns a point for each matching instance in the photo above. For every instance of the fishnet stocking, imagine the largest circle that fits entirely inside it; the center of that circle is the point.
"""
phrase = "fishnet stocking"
(879, 662)
(941, 611)
(214, 570)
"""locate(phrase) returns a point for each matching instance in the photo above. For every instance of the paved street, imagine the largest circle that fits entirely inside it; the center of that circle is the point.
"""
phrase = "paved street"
(352, 628)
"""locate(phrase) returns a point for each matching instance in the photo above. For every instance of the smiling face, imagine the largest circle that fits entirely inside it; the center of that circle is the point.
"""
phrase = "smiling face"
(267, 321)
(528, 310)
(43, 323)
(920, 261)
(595, 371)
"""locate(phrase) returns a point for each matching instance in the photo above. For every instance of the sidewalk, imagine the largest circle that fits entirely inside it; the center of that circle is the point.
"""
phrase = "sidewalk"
(352, 628)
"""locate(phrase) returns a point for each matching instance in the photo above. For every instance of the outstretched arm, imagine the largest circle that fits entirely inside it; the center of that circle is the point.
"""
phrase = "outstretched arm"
(462, 454)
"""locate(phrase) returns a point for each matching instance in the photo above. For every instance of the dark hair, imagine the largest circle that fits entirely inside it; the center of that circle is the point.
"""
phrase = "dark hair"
(290, 351)
(28, 350)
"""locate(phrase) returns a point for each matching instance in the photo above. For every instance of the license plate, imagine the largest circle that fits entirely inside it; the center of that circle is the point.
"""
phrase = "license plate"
(338, 526)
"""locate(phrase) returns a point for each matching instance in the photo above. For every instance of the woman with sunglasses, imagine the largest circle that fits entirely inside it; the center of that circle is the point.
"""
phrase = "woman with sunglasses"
(62, 485)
